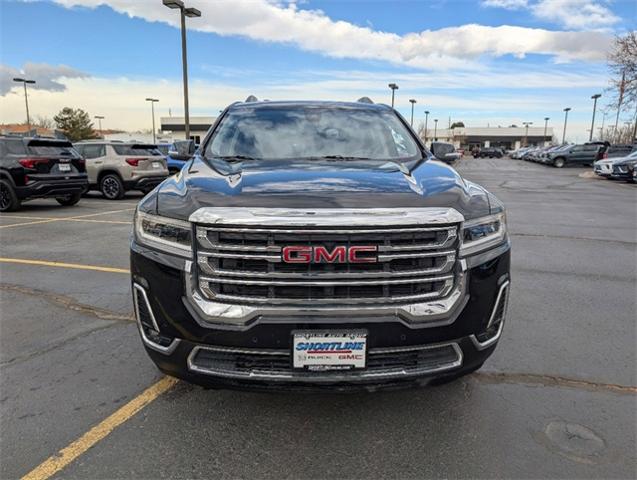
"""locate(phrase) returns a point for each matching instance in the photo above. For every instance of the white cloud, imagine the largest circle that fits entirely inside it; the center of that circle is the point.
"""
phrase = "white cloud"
(314, 31)
(47, 77)
(571, 14)
(506, 4)
(575, 14)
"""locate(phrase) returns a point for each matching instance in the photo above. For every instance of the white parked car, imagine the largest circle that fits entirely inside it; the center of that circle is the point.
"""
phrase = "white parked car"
(604, 167)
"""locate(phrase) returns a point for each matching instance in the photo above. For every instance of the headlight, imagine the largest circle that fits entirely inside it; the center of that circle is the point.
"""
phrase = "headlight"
(163, 233)
(483, 233)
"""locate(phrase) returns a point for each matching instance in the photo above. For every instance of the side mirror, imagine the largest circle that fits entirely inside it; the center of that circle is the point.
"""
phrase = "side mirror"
(442, 151)
(183, 151)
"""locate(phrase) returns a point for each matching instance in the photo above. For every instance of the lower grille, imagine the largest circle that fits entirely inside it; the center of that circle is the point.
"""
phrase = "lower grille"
(276, 364)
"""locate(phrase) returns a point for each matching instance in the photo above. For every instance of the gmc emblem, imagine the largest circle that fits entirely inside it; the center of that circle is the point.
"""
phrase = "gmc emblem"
(340, 254)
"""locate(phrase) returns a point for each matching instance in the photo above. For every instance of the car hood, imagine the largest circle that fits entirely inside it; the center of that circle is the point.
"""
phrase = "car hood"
(314, 184)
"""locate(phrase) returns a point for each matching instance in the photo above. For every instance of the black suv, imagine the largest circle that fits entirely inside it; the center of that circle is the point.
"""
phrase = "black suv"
(39, 168)
(316, 245)
(489, 152)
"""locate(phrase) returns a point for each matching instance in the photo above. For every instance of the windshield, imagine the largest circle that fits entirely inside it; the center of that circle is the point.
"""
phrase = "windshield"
(312, 132)
(136, 150)
(164, 148)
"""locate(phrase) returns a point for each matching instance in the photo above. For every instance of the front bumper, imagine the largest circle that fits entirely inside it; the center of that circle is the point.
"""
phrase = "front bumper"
(256, 354)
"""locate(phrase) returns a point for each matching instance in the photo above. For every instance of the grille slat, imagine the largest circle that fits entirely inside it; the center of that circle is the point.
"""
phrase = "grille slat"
(244, 265)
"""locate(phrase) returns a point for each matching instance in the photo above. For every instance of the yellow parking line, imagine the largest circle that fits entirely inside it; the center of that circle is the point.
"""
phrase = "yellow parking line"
(44, 263)
(64, 457)
(97, 214)
(60, 219)
(117, 222)
(28, 217)
(28, 223)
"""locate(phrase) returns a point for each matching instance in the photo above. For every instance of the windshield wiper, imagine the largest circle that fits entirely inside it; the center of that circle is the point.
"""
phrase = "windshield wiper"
(339, 157)
(235, 158)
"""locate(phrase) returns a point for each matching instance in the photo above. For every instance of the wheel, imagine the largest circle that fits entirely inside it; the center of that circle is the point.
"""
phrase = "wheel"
(69, 200)
(9, 201)
(559, 162)
(112, 187)
(173, 171)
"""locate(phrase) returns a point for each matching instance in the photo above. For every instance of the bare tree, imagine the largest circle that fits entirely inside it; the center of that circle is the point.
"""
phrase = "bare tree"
(43, 122)
(622, 62)
(623, 134)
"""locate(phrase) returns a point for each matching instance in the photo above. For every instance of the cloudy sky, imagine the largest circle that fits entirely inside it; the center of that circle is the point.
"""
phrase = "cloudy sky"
(492, 62)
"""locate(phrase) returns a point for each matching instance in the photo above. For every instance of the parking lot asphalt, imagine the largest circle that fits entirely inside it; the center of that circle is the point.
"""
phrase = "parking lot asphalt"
(557, 399)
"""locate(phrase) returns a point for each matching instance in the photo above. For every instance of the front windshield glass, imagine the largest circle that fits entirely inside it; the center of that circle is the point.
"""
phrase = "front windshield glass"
(293, 132)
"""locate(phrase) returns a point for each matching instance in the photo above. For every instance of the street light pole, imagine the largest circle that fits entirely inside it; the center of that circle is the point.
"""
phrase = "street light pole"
(526, 132)
(393, 87)
(546, 125)
(26, 98)
(152, 109)
(594, 97)
(435, 129)
(413, 101)
(99, 118)
(184, 12)
(566, 110)
(426, 118)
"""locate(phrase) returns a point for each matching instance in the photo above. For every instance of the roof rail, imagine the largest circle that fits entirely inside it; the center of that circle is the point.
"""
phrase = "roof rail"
(251, 98)
(365, 100)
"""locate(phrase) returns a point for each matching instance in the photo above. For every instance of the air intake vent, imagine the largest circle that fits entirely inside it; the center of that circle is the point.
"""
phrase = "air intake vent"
(147, 324)
(496, 322)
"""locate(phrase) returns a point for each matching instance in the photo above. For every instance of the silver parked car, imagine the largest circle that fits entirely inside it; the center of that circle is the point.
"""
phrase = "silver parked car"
(116, 167)
(604, 167)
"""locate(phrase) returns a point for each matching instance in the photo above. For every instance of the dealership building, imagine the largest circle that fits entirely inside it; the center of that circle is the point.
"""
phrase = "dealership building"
(504, 137)
(176, 127)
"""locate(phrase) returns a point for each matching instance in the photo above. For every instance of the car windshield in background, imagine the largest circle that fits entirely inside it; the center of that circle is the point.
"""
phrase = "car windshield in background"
(164, 148)
(53, 149)
(312, 132)
(136, 150)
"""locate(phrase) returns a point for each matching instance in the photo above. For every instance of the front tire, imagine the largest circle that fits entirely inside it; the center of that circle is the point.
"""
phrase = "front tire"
(69, 200)
(9, 201)
(112, 187)
(559, 162)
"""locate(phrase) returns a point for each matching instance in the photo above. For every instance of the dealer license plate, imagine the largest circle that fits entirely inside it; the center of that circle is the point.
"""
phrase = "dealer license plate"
(156, 164)
(329, 350)
(64, 167)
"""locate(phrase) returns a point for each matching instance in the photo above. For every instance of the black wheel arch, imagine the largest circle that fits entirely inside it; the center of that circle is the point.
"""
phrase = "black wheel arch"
(5, 175)
(103, 173)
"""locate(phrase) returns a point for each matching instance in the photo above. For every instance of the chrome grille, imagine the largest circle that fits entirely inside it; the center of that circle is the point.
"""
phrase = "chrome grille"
(243, 264)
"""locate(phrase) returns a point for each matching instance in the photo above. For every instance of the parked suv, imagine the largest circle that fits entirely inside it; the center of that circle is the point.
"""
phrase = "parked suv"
(39, 168)
(488, 152)
(116, 167)
(316, 245)
(585, 154)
